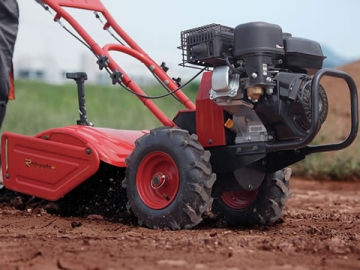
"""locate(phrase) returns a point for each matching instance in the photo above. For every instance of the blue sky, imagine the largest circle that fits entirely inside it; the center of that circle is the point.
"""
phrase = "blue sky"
(156, 26)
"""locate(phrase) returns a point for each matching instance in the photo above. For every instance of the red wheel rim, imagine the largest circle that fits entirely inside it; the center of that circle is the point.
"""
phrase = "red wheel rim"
(239, 199)
(157, 180)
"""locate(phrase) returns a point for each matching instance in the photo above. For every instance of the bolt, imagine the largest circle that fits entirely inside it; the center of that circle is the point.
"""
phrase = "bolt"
(210, 141)
(270, 91)
(233, 93)
(88, 151)
(152, 68)
(7, 175)
(166, 82)
(254, 75)
(250, 187)
(253, 100)
(239, 150)
(255, 148)
(270, 137)
(268, 79)
(46, 137)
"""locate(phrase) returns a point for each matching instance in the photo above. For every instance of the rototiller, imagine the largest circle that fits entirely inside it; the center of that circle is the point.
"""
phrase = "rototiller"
(259, 106)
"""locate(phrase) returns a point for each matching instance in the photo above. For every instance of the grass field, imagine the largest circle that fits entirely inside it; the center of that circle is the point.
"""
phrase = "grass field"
(39, 106)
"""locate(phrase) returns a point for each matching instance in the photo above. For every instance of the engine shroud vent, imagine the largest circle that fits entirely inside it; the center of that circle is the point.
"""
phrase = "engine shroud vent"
(303, 120)
(206, 45)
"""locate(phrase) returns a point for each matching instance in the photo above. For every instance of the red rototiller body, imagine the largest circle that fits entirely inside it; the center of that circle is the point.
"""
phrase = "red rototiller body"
(259, 106)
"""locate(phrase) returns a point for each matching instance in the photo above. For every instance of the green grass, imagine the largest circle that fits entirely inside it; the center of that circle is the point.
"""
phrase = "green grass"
(340, 166)
(39, 106)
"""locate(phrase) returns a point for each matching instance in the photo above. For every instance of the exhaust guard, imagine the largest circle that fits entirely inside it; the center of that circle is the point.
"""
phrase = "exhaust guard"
(251, 161)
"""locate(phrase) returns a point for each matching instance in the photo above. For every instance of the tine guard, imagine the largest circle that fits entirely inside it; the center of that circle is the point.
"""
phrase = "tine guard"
(47, 169)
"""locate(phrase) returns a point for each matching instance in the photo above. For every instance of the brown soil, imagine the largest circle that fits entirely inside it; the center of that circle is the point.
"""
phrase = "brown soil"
(320, 230)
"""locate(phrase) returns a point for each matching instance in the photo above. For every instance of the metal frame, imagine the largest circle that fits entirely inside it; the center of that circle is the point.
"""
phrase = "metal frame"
(271, 147)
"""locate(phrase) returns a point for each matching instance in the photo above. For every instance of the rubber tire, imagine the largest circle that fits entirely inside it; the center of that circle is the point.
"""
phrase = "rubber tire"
(267, 207)
(196, 179)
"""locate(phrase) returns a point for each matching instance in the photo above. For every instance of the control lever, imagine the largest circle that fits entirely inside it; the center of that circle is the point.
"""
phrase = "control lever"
(80, 78)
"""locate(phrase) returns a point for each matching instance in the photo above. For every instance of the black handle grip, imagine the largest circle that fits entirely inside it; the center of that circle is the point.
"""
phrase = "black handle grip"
(77, 76)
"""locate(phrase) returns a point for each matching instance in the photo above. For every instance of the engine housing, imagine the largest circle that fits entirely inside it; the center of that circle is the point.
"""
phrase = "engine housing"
(209, 46)
(257, 66)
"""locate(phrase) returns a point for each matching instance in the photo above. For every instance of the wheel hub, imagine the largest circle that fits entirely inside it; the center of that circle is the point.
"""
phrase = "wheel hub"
(158, 180)
(239, 199)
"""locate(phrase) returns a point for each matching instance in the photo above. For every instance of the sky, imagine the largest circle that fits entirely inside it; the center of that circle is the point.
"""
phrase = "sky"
(156, 26)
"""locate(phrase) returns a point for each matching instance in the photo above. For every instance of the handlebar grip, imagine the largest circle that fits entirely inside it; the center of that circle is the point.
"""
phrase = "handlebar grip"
(76, 75)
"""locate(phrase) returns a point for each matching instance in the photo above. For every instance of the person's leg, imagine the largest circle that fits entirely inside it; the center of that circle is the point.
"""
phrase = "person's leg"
(9, 21)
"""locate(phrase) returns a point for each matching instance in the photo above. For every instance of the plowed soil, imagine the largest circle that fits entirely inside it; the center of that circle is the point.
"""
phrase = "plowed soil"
(320, 229)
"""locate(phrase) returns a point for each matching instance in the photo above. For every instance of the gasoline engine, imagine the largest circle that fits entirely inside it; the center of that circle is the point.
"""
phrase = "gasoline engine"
(261, 77)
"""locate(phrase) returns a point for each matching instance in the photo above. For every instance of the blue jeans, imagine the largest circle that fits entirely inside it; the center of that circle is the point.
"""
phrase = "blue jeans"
(9, 22)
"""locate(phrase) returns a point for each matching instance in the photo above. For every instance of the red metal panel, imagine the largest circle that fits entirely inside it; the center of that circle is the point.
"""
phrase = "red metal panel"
(209, 116)
(55, 161)
(43, 168)
(112, 145)
(94, 5)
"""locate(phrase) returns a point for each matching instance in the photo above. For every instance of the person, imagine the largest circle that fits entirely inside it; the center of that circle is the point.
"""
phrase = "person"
(9, 23)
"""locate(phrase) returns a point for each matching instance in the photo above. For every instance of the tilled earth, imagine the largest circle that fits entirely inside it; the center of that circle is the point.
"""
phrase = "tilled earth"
(320, 229)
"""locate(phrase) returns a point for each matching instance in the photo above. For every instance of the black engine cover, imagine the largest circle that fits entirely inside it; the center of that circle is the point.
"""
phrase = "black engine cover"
(303, 55)
(258, 38)
(287, 113)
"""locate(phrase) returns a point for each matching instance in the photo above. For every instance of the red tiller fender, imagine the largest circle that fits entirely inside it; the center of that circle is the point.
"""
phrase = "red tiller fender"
(54, 162)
